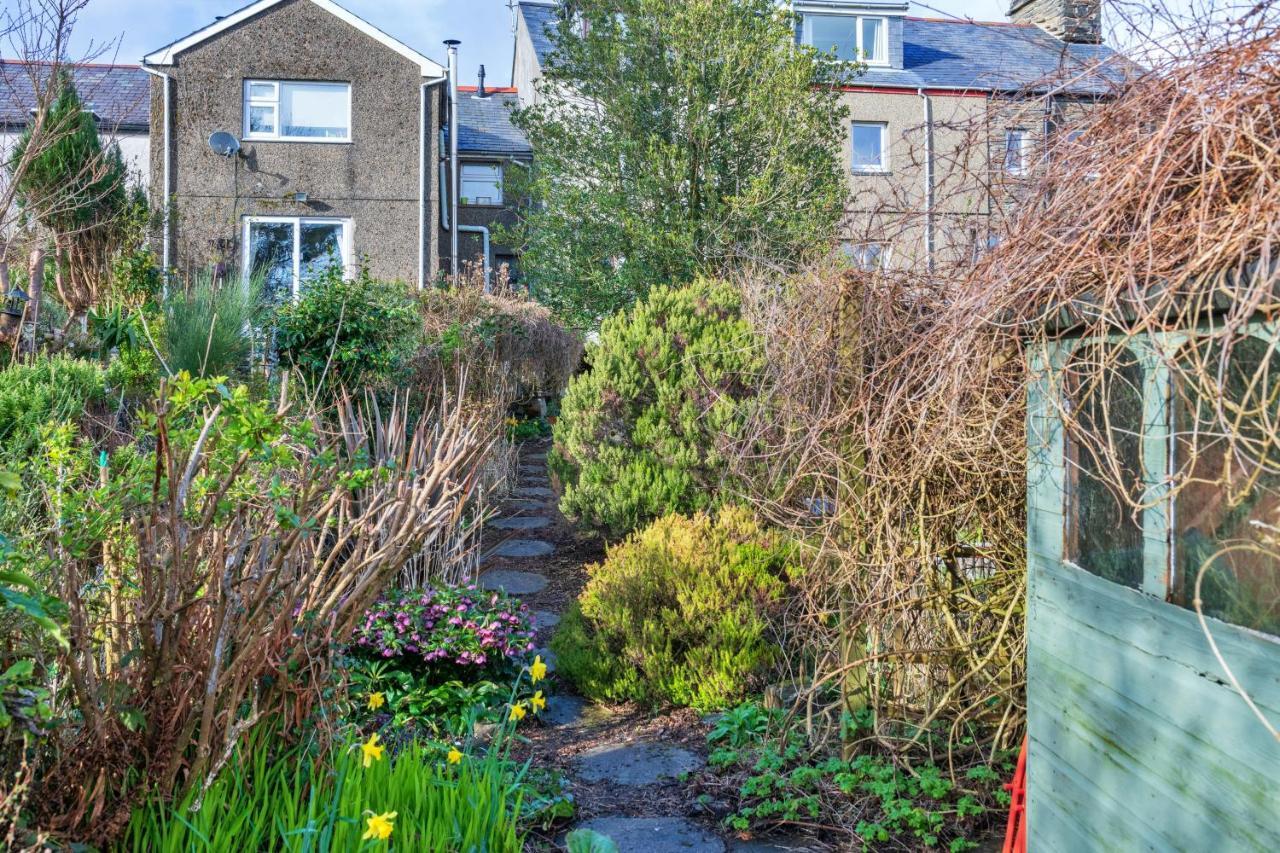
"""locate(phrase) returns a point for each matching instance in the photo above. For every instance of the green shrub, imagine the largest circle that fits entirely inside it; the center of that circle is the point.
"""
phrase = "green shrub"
(352, 333)
(642, 433)
(56, 388)
(207, 326)
(678, 613)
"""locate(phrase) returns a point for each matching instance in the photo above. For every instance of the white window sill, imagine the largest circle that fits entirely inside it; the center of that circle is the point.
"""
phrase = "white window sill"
(872, 171)
(310, 140)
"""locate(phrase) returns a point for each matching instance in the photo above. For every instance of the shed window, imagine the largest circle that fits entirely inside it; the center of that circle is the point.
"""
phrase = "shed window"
(852, 38)
(1017, 151)
(870, 148)
(297, 111)
(481, 183)
(1226, 519)
(1104, 463)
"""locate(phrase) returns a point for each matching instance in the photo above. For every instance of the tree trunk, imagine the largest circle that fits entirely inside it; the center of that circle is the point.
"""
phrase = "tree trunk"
(35, 289)
(5, 285)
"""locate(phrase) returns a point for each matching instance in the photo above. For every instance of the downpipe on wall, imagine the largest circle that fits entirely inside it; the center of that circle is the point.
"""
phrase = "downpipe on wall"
(167, 225)
(454, 189)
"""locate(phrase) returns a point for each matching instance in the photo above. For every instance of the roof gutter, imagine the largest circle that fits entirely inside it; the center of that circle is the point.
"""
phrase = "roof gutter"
(167, 258)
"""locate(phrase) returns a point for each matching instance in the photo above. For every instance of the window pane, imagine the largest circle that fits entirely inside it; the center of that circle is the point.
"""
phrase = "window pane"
(871, 33)
(262, 91)
(322, 248)
(1015, 152)
(481, 184)
(314, 110)
(833, 32)
(271, 256)
(262, 119)
(1232, 493)
(1104, 463)
(868, 146)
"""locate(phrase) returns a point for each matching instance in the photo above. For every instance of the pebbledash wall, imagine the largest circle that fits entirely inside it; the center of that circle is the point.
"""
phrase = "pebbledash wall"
(373, 180)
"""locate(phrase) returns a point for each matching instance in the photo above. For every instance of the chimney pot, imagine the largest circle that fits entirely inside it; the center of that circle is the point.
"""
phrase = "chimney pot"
(481, 90)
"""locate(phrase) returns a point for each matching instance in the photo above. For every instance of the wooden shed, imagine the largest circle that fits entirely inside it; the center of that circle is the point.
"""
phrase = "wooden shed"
(1139, 737)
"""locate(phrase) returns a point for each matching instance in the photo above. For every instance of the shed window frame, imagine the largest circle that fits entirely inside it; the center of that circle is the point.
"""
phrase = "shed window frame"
(276, 102)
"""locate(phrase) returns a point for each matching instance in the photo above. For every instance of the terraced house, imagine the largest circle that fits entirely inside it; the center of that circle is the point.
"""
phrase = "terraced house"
(291, 135)
(948, 116)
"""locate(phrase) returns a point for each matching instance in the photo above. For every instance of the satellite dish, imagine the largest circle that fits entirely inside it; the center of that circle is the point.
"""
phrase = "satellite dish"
(224, 143)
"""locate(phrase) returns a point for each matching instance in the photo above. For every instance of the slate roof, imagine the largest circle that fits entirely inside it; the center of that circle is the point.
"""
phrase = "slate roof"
(485, 124)
(952, 54)
(120, 95)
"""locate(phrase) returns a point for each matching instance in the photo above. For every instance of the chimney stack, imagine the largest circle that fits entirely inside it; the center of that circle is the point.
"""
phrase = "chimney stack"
(481, 93)
(1075, 21)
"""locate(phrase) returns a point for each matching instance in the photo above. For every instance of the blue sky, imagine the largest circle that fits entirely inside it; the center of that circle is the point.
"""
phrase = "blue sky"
(136, 27)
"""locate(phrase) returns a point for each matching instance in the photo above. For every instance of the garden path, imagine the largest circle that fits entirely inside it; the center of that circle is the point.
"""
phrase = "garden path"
(626, 765)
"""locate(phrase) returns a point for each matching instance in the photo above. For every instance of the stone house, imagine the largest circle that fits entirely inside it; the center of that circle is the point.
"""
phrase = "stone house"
(947, 120)
(292, 134)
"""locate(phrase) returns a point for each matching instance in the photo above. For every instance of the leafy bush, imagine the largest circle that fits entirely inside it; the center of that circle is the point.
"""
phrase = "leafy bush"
(352, 333)
(641, 434)
(678, 613)
(56, 389)
(207, 326)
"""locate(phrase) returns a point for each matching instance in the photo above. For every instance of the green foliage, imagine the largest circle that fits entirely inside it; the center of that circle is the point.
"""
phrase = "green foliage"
(116, 328)
(528, 429)
(48, 389)
(781, 780)
(713, 140)
(642, 433)
(589, 841)
(269, 799)
(69, 181)
(678, 613)
(352, 333)
(207, 326)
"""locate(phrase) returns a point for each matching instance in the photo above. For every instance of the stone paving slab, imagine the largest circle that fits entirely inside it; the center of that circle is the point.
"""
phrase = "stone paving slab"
(521, 522)
(775, 845)
(656, 835)
(532, 492)
(545, 619)
(635, 763)
(548, 657)
(514, 583)
(563, 711)
(524, 548)
(517, 505)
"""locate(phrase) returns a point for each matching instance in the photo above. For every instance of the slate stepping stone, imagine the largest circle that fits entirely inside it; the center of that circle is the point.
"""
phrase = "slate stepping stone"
(635, 764)
(545, 619)
(532, 492)
(521, 548)
(535, 459)
(563, 711)
(513, 583)
(548, 657)
(776, 845)
(533, 470)
(656, 835)
(524, 522)
(524, 506)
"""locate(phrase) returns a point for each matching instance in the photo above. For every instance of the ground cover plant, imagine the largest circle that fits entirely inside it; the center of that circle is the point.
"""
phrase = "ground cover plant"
(644, 432)
(679, 613)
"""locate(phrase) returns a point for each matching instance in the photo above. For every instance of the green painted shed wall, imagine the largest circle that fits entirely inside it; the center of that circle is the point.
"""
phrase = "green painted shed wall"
(1137, 741)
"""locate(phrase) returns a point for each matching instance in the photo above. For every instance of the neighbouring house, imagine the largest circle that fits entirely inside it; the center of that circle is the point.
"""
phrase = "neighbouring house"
(947, 120)
(292, 134)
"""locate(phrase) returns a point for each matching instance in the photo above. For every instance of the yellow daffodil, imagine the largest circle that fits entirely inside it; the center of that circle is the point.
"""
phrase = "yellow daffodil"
(518, 712)
(376, 701)
(380, 826)
(372, 751)
(455, 757)
(538, 670)
(538, 702)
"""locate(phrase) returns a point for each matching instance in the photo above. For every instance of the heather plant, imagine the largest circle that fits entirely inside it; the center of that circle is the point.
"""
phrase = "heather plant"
(679, 613)
(643, 433)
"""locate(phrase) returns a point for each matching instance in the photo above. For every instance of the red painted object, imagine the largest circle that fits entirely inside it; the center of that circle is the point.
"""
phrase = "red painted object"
(1015, 834)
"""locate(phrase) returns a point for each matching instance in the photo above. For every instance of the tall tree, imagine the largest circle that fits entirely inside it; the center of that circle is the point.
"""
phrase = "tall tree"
(672, 138)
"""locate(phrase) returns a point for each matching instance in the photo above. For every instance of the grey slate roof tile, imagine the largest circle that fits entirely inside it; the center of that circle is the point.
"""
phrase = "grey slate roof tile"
(485, 124)
(118, 94)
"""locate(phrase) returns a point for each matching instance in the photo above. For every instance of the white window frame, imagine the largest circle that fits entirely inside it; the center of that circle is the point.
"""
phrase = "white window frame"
(883, 167)
(275, 102)
(1025, 149)
(348, 241)
(502, 177)
(806, 35)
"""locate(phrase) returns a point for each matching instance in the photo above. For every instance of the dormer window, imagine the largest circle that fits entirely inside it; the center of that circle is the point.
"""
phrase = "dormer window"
(852, 38)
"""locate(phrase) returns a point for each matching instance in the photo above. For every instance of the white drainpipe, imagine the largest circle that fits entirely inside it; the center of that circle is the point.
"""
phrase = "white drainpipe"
(167, 258)
(928, 178)
(454, 189)
(422, 183)
(488, 264)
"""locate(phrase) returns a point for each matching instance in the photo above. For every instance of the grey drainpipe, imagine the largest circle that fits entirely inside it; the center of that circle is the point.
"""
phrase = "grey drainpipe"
(454, 190)
(928, 178)
(167, 227)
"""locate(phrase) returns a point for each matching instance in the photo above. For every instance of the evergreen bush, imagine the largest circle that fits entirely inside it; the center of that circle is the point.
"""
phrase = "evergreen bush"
(678, 614)
(644, 432)
(48, 389)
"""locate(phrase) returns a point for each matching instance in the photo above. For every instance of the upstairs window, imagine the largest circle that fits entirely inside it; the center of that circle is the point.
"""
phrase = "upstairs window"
(870, 147)
(1017, 151)
(297, 111)
(852, 38)
(481, 183)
